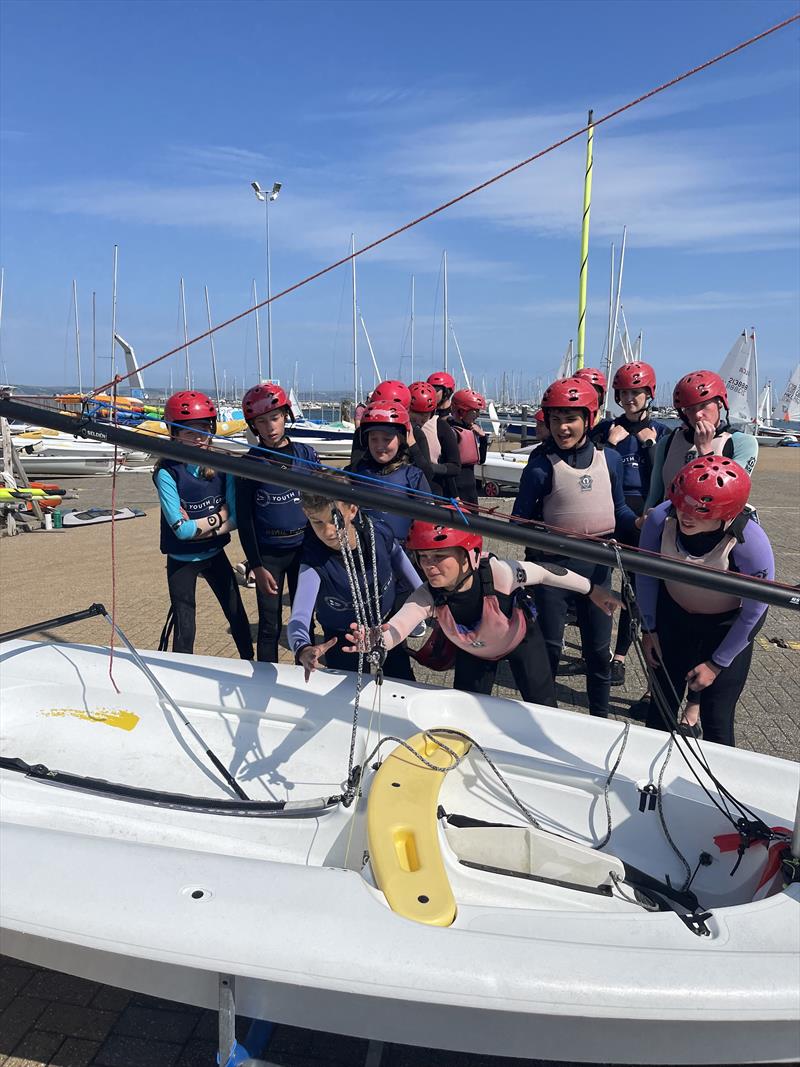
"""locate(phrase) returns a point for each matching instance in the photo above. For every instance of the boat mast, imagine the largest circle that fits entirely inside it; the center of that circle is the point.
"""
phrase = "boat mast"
(2, 286)
(258, 334)
(755, 376)
(378, 375)
(213, 352)
(412, 327)
(609, 332)
(94, 339)
(355, 322)
(584, 268)
(77, 333)
(188, 366)
(114, 315)
(444, 292)
(610, 353)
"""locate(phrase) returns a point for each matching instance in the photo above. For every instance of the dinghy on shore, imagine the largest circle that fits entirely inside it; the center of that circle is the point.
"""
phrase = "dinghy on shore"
(485, 909)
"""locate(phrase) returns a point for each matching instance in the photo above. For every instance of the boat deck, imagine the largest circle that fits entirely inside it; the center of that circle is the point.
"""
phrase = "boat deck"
(50, 1018)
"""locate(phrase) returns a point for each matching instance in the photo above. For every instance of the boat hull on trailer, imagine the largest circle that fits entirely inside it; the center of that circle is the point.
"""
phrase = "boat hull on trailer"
(162, 900)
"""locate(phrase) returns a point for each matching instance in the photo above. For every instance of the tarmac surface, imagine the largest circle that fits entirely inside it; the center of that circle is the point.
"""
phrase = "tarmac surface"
(54, 1019)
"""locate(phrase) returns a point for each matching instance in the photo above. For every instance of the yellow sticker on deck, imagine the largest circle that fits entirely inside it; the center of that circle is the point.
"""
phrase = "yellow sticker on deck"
(123, 720)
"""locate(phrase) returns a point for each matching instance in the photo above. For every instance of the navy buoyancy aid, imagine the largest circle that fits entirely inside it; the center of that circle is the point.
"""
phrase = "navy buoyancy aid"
(334, 608)
(278, 516)
(199, 497)
(406, 476)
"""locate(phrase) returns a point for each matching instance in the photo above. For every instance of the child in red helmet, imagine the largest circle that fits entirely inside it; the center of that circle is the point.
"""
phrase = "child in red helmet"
(572, 485)
(472, 441)
(701, 400)
(391, 457)
(691, 635)
(271, 520)
(634, 435)
(445, 386)
(480, 612)
(437, 441)
(198, 512)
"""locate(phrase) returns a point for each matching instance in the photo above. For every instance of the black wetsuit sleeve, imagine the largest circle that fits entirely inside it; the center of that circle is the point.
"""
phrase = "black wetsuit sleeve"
(483, 448)
(245, 519)
(449, 463)
(421, 456)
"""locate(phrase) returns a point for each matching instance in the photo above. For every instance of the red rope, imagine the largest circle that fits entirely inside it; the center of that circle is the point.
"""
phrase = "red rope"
(463, 196)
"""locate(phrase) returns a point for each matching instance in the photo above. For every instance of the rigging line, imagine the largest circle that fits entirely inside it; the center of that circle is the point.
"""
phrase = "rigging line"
(483, 185)
(113, 554)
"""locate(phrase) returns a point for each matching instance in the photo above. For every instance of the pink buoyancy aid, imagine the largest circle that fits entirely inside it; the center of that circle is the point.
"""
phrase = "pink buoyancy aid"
(431, 431)
(468, 452)
(691, 597)
(680, 452)
(496, 634)
(580, 501)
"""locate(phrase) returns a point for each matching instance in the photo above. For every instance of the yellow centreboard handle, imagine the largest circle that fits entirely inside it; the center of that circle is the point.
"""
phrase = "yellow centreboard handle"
(403, 832)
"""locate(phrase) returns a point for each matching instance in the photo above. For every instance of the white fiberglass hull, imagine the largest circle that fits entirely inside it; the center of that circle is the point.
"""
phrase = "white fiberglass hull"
(164, 901)
(501, 470)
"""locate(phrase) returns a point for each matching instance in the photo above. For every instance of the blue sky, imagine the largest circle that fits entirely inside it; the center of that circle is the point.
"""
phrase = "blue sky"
(142, 124)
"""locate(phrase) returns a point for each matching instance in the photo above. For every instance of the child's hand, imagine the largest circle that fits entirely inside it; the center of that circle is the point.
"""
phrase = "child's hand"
(605, 600)
(702, 676)
(361, 639)
(312, 654)
(265, 581)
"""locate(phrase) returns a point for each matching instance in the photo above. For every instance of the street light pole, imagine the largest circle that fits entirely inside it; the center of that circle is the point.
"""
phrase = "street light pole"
(267, 197)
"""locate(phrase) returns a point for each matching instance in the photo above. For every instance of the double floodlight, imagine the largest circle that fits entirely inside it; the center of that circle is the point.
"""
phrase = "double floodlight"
(272, 195)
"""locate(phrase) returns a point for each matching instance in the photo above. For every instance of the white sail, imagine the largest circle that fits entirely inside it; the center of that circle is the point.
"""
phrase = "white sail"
(738, 373)
(765, 405)
(788, 407)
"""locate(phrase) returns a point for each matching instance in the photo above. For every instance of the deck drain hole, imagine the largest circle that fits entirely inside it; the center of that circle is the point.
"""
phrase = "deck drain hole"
(196, 892)
(423, 899)
(396, 785)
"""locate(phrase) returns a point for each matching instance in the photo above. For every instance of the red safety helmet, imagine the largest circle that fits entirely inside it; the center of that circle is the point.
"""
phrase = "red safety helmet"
(391, 392)
(440, 379)
(713, 487)
(264, 398)
(634, 375)
(593, 375)
(423, 397)
(190, 406)
(388, 416)
(425, 536)
(574, 392)
(697, 387)
(467, 400)
(539, 416)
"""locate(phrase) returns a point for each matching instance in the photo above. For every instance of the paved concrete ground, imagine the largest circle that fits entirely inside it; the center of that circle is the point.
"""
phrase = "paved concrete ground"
(48, 1018)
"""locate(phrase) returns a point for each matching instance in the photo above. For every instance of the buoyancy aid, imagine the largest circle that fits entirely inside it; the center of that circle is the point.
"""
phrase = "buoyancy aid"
(468, 448)
(680, 452)
(691, 597)
(199, 497)
(278, 515)
(334, 609)
(580, 501)
(431, 431)
(497, 632)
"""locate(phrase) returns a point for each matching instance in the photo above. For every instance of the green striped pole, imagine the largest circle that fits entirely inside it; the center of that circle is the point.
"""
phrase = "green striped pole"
(584, 273)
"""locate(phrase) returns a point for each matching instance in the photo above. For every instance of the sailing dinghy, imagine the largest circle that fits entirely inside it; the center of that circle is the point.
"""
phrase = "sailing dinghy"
(532, 901)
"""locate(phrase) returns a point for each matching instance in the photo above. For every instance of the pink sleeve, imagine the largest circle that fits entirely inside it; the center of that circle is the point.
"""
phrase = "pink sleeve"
(511, 574)
(416, 609)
